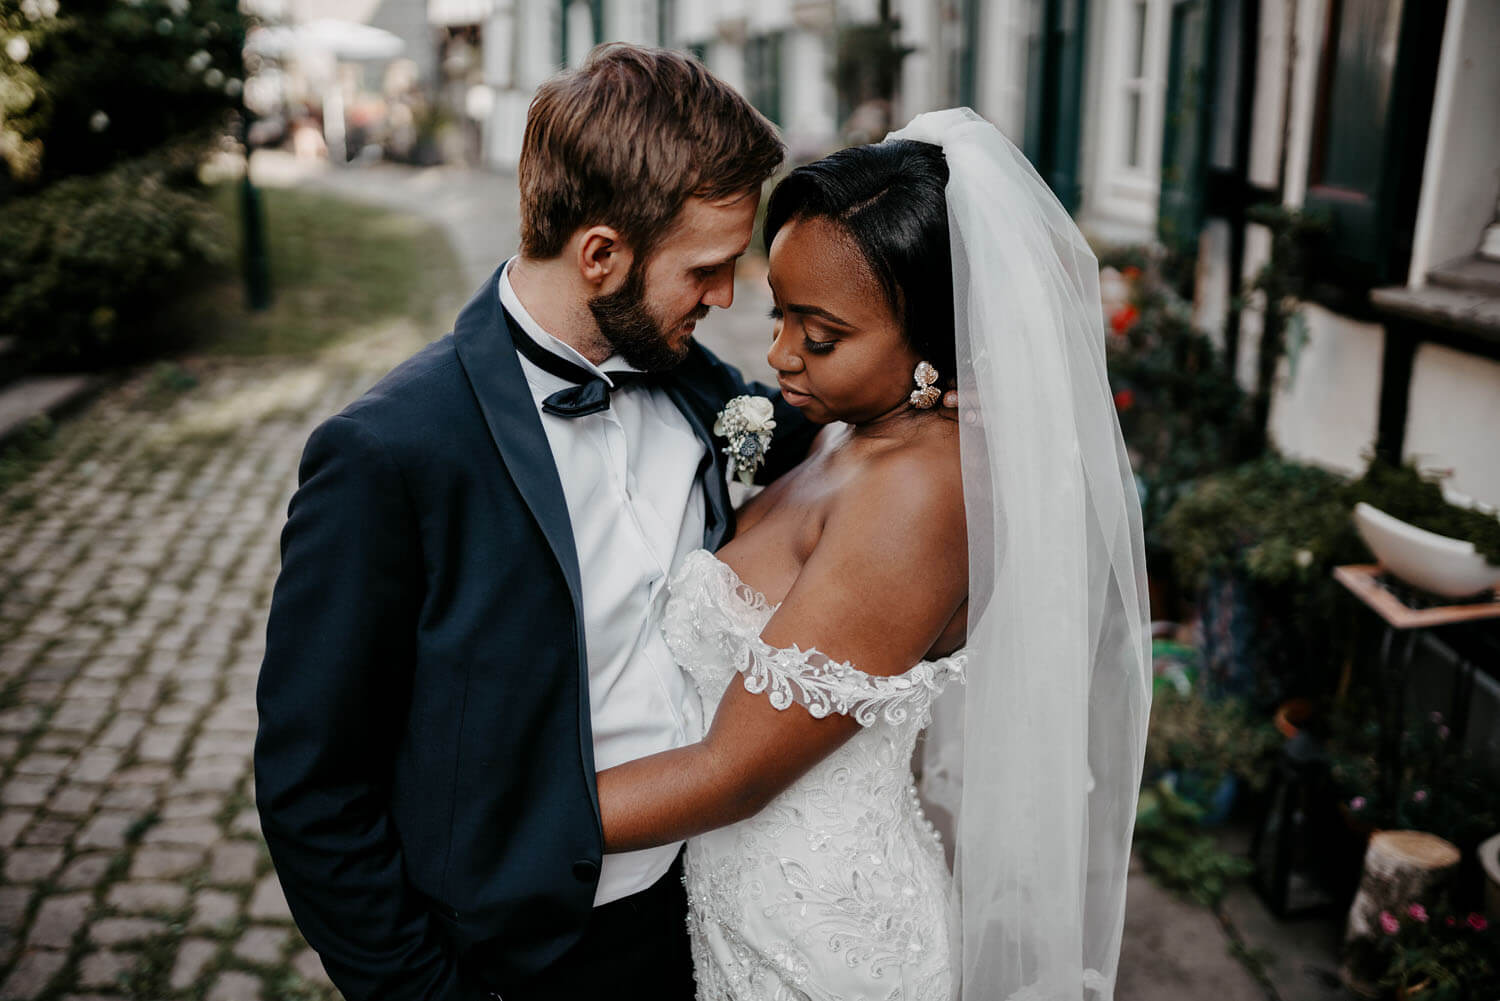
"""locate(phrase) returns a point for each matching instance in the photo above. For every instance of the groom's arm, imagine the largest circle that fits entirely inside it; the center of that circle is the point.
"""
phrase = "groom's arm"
(332, 699)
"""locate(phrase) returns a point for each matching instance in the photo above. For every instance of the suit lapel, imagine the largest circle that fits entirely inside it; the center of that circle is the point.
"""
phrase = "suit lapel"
(489, 360)
(718, 513)
(484, 348)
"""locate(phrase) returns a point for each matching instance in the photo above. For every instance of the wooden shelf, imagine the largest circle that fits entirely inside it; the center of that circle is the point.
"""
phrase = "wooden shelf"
(1363, 581)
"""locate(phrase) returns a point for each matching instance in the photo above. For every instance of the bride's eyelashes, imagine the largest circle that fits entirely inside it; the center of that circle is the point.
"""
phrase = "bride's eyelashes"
(809, 344)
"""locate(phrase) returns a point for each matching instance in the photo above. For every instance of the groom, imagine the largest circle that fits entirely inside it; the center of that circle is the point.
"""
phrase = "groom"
(466, 625)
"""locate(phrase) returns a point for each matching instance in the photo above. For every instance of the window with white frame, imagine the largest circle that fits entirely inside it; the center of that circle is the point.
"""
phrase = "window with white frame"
(1131, 99)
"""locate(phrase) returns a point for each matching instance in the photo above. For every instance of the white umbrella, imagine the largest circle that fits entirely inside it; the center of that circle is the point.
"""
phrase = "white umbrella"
(340, 39)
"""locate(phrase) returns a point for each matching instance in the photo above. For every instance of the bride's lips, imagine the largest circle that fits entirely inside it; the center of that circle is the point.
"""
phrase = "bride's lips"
(793, 397)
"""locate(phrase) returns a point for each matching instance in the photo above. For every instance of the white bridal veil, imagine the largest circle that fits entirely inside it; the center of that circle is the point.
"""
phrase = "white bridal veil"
(1040, 757)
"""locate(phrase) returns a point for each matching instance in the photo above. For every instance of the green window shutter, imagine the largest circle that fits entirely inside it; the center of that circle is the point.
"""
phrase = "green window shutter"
(1190, 87)
(1054, 97)
(763, 74)
(1370, 135)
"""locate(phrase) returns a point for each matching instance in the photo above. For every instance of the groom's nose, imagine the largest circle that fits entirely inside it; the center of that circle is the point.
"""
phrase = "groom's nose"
(720, 291)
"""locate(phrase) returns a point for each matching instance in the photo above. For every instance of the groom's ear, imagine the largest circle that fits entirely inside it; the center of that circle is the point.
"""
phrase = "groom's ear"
(603, 257)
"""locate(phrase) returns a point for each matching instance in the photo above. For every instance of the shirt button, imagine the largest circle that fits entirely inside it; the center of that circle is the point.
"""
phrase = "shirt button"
(585, 870)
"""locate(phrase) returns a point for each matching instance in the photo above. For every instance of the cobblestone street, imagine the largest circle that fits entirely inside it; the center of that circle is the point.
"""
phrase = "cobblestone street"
(136, 566)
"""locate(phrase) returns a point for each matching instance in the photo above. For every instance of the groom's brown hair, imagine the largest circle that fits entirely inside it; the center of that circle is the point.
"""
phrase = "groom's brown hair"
(626, 139)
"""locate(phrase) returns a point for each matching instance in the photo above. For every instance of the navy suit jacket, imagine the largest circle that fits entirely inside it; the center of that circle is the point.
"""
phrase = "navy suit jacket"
(424, 766)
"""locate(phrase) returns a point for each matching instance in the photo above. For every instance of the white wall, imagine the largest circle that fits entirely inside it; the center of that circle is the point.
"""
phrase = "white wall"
(1005, 31)
(808, 99)
(1328, 414)
(1453, 418)
(1461, 178)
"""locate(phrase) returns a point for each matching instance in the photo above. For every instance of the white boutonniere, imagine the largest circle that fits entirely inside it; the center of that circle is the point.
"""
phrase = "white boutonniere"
(747, 423)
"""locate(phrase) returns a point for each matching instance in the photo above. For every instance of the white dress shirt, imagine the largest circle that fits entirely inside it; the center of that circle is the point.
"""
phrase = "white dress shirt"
(629, 475)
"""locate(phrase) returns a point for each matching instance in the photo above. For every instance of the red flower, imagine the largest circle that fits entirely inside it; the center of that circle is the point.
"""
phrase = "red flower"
(1477, 922)
(1124, 400)
(1124, 318)
(1131, 272)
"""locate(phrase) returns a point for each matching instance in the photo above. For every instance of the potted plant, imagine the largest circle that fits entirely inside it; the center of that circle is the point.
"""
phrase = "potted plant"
(1177, 403)
(1422, 537)
(1258, 543)
(1204, 750)
(1438, 956)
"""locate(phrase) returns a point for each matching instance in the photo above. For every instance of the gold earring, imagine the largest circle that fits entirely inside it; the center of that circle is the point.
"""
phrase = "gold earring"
(926, 395)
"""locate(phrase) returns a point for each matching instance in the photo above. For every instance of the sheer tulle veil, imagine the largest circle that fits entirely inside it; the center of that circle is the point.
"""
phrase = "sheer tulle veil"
(1040, 756)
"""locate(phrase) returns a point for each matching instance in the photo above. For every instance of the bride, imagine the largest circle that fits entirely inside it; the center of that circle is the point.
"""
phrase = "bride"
(985, 576)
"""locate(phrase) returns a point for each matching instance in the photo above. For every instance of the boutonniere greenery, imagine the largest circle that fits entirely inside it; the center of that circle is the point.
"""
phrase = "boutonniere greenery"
(746, 422)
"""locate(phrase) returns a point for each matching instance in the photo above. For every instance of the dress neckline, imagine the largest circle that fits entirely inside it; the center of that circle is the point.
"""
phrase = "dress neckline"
(756, 601)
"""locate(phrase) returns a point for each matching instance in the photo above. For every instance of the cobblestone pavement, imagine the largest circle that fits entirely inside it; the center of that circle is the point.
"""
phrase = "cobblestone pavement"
(135, 571)
(136, 566)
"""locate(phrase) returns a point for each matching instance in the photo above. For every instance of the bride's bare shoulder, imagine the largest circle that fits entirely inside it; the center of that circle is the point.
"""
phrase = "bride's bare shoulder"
(916, 485)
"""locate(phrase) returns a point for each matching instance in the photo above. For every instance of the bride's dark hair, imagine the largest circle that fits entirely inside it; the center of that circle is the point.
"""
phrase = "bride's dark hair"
(889, 198)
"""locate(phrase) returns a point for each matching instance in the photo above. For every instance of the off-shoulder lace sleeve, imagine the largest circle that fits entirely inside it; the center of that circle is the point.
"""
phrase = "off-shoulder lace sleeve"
(824, 685)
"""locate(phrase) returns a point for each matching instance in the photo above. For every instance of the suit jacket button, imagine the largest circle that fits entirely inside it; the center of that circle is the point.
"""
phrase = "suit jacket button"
(586, 870)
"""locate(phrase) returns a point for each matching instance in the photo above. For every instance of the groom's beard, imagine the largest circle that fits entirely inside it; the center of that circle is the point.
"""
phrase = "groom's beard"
(634, 332)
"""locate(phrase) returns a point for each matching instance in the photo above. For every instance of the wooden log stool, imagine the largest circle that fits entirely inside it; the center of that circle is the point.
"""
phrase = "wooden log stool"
(1401, 868)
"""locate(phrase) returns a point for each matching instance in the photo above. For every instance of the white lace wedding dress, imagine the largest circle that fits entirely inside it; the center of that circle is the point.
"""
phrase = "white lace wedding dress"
(836, 891)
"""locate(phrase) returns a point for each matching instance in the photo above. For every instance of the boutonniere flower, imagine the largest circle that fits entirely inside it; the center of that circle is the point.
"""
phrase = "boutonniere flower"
(747, 423)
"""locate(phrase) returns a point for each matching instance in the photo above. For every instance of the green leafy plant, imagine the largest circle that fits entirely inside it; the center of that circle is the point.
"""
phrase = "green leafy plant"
(1178, 852)
(1189, 733)
(1279, 284)
(85, 84)
(1179, 409)
(89, 260)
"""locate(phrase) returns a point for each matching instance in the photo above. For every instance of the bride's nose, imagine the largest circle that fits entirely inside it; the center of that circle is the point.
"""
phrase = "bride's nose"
(781, 357)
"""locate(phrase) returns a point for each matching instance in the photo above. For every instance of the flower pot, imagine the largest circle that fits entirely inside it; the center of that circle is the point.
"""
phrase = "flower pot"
(1292, 715)
(1406, 991)
(1448, 567)
(1489, 858)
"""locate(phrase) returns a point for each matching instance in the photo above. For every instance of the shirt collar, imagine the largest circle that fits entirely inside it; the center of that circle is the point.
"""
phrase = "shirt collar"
(546, 341)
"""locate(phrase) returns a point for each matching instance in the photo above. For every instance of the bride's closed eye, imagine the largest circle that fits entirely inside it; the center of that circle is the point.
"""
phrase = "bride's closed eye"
(813, 346)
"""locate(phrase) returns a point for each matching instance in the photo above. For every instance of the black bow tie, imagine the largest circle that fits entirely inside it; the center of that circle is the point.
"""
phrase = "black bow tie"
(589, 394)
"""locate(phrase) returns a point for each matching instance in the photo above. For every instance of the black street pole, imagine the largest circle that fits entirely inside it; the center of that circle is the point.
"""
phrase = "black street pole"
(252, 218)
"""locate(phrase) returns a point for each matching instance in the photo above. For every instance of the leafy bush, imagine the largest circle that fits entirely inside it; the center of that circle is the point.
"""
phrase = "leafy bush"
(1180, 410)
(89, 260)
(1214, 738)
(85, 84)
(1178, 852)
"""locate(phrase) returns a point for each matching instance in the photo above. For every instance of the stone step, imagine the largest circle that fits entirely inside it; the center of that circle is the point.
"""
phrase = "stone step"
(35, 396)
(1470, 274)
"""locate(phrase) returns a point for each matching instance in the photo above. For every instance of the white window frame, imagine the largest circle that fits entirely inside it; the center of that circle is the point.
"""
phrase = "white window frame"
(1123, 192)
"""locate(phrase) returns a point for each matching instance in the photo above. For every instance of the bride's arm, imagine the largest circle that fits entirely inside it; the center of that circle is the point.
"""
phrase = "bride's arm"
(887, 576)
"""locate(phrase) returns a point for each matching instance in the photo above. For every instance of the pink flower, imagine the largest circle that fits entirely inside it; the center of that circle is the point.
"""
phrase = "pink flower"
(1420, 796)
(1450, 921)
(1477, 922)
(1357, 803)
(1435, 717)
(1389, 923)
(1417, 912)
(1443, 732)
